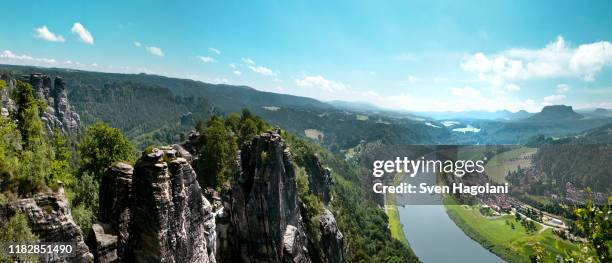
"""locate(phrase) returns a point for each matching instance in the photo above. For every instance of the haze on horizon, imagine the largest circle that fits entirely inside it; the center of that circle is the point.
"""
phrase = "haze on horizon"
(415, 56)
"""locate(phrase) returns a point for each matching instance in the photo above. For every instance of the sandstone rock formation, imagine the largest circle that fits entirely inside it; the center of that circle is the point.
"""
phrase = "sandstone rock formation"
(58, 114)
(50, 219)
(8, 105)
(260, 219)
(169, 218)
(331, 238)
(319, 178)
(265, 221)
(109, 240)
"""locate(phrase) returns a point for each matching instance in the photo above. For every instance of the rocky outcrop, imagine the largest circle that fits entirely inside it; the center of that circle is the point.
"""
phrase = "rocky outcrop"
(157, 215)
(265, 221)
(103, 243)
(171, 219)
(332, 242)
(8, 105)
(50, 219)
(108, 241)
(58, 114)
(319, 178)
(555, 113)
(258, 219)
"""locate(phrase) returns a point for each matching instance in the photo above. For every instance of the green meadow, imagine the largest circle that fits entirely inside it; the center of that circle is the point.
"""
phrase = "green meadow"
(497, 235)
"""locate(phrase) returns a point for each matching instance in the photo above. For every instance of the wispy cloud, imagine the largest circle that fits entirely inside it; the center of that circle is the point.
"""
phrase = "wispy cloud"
(466, 91)
(248, 61)
(412, 79)
(206, 59)
(553, 99)
(216, 51)
(156, 51)
(262, 70)
(82, 32)
(255, 68)
(10, 56)
(513, 87)
(321, 83)
(153, 50)
(237, 72)
(44, 33)
(562, 88)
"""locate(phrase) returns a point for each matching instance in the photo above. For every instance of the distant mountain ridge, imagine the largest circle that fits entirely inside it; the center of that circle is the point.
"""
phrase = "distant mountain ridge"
(477, 115)
(231, 97)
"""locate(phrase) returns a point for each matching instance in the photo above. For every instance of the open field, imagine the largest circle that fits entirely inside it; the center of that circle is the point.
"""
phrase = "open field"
(498, 167)
(362, 117)
(314, 134)
(497, 235)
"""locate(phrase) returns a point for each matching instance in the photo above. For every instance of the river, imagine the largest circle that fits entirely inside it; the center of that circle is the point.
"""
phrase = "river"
(432, 235)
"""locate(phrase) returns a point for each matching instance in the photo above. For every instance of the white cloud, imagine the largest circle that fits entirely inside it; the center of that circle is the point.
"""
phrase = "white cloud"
(262, 70)
(137, 44)
(562, 88)
(216, 51)
(321, 83)
(44, 33)
(206, 59)
(237, 72)
(512, 87)
(554, 60)
(82, 32)
(232, 65)
(248, 61)
(553, 98)
(155, 51)
(8, 55)
(412, 79)
(590, 58)
(466, 91)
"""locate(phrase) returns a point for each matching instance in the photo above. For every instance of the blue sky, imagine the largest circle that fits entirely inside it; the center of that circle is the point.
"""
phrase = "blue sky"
(409, 55)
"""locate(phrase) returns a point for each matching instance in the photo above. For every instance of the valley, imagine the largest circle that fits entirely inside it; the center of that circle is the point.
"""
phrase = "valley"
(335, 140)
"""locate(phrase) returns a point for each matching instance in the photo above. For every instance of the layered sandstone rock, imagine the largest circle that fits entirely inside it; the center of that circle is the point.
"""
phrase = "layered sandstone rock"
(319, 178)
(58, 114)
(331, 238)
(158, 214)
(265, 217)
(108, 241)
(50, 219)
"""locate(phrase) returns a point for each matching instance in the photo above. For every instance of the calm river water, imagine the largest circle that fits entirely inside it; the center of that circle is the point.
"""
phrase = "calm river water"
(433, 236)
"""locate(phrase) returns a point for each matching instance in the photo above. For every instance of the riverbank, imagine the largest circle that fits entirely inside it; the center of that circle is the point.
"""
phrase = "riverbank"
(395, 225)
(504, 236)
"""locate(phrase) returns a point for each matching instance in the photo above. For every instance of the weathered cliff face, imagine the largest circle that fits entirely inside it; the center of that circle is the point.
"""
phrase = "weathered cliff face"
(169, 218)
(319, 178)
(331, 242)
(108, 239)
(49, 218)
(265, 219)
(8, 105)
(58, 114)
